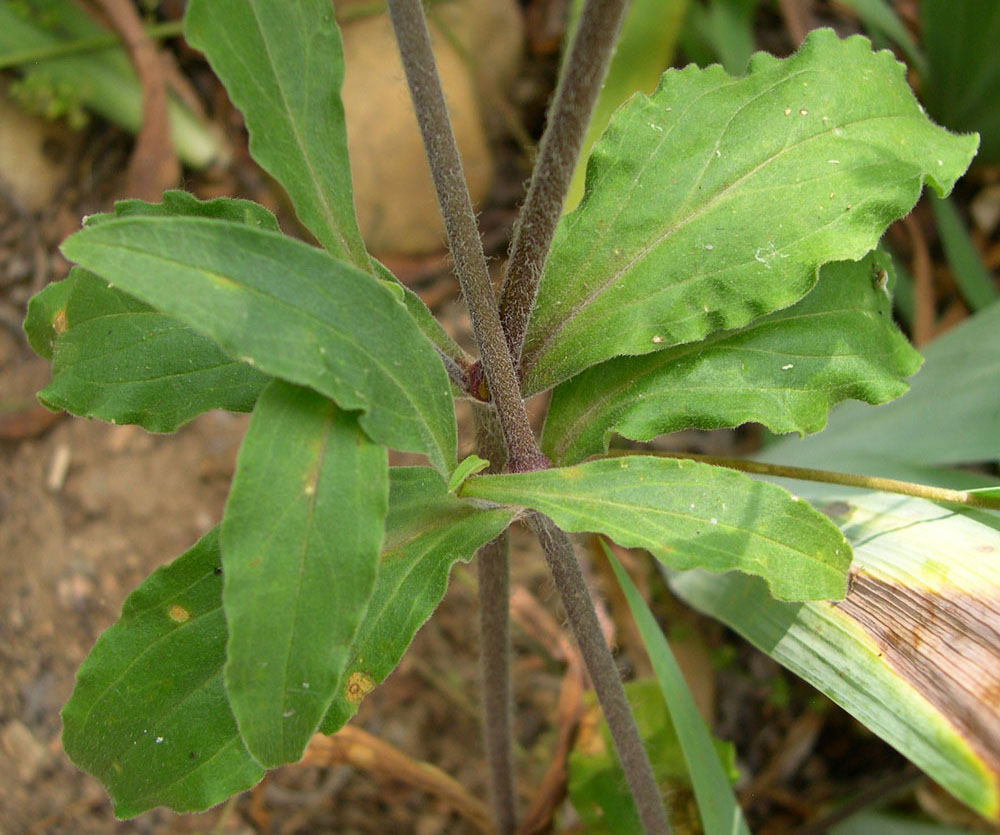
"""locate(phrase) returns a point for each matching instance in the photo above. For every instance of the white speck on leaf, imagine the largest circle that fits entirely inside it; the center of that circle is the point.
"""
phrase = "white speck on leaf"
(787, 367)
(834, 161)
(714, 521)
(657, 128)
(803, 112)
(788, 111)
(159, 739)
(657, 340)
(287, 714)
(709, 246)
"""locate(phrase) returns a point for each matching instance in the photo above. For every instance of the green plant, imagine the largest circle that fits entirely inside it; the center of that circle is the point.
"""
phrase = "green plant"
(718, 270)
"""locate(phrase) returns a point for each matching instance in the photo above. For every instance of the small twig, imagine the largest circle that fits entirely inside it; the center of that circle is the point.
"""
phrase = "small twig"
(585, 68)
(885, 485)
(355, 747)
(561, 558)
(410, 27)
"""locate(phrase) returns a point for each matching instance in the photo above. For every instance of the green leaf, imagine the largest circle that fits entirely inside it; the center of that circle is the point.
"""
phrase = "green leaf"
(149, 715)
(644, 50)
(300, 545)
(119, 360)
(291, 310)
(469, 466)
(786, 371)
(46, 317)
(951, 415)
(720, 813)
(427, 530)
(597, 786)
(426, 321)
(282, 65)
(912, 651)
(688, 515)
(963, 78)
(177, 203)
(715, 201)
(977, 284)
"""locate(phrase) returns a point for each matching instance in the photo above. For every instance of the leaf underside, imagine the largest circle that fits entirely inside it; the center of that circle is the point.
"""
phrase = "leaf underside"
(785, 371)
(715, 201)
(688, 515)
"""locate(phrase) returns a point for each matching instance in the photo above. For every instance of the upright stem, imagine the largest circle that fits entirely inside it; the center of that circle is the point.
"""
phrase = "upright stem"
(463, 233)
(492, 565)
(576, 600)
(583, 73)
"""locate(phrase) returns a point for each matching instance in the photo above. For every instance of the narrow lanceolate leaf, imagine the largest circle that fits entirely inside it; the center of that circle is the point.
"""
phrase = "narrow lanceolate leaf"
(913, 651)
(149, 715)
(119, 360)
(291, 310)
(688, 515)
(427, 530)
(719, 811)
(300, 544)
(282, 65)
(786, 371)
(715, 200)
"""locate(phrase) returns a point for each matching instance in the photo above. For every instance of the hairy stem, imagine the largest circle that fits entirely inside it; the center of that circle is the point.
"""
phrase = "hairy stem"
(463, 234)
(576, 600)
(885, 485)
(582, 76)
(492, 565)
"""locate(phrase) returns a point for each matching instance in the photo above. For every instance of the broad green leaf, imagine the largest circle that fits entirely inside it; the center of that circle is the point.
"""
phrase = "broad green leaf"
(688, 515)
(596, 783)
(951, 415)
(912, 651)
(644, 50)
(427, 531)
(717, 807)
(121, 361)
(282, 65)
(786, 371)
(715, 200)
(963, 77)
(300, 545)
(291, 310)
(978, 286)
(46, 317)
(149, 715)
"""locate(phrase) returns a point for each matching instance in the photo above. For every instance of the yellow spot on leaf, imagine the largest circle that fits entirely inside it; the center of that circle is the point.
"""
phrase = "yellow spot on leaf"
(178, 614)
(358, 686)
(59, 323)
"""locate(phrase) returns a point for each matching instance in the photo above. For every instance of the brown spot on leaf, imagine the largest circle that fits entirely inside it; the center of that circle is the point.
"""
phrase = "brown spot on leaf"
(947, 646)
